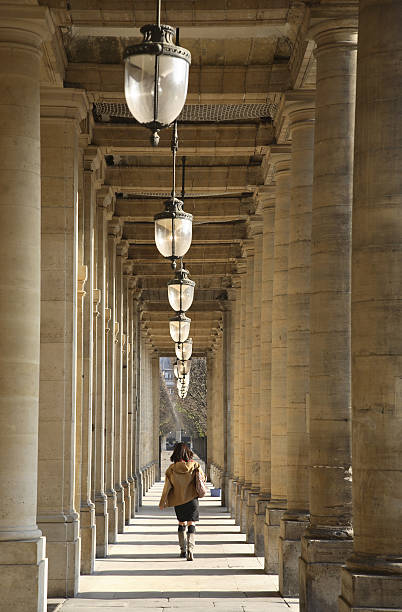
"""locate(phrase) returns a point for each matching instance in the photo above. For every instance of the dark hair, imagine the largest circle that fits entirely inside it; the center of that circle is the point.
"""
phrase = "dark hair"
(181, 452)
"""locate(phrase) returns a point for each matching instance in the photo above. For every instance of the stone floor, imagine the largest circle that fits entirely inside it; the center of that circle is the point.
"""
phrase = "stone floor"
(143, 571)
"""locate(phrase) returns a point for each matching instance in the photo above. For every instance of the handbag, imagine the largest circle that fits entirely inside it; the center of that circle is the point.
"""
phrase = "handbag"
(200, 485)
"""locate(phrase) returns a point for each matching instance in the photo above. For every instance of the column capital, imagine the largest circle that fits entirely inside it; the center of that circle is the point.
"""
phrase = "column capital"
(127, 271)
(300, 109)
(106, 199)
(254, 225)
(82, 275)
(266, 197)
(329, 34)
(59, 104)
(25, 25)
(115, 228)
(94, 162)
(122, 249)
(277, 161)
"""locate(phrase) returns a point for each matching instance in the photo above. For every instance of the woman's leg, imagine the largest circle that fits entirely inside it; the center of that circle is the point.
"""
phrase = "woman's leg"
(182, 540)
(190, 540)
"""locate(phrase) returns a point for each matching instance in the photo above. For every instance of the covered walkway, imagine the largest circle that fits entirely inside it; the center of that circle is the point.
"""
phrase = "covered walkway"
(143, 572)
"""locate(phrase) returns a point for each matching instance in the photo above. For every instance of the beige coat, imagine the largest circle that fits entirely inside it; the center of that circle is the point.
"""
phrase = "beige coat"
(180, 483)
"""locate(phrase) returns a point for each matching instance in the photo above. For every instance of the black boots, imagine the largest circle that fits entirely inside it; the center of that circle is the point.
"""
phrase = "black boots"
(190, 542)
(182, 540)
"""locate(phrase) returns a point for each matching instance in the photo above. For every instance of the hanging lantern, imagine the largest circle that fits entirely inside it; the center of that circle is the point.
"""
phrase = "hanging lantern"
(156, 77)
(183, 367)
(173, 230)
(184, 349)
(181, 291)
(175, 370)
(173, 226)
(183, 394)
(179, 327)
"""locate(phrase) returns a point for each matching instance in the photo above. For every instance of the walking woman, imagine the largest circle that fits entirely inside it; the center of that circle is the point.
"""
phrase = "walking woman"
(180, 491)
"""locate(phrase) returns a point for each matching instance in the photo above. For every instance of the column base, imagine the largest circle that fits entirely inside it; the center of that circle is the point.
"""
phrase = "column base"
(320, 571)
(120, 509)
(367, 592)
(239, 489)
(127, 502)
(88, 538)
(291, 530)
(246, 489)
(102, 526)
(63, 552)
(131, 485)
(112, 515)
(259, 520)
(250, 512)
(273, 515)
(23, 575)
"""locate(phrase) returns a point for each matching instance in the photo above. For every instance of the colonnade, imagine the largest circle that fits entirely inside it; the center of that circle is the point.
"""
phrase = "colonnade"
(315, 475)
(79, 407)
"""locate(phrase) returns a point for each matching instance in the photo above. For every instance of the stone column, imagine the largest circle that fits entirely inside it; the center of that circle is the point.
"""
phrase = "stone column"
(227, 389)
(125, 397)
(235, 374)
(210, 412)
(328, 541)
(241, 407)
(114, 234)
(23, 566)
(301, 112)
(91, 180)
(131, 398)
(373, 578)
(61, 113)
(255, 358)
(277, 504)
(156, 415)
(121, 254)
(105, 206)
(267, 195)
(247, 511)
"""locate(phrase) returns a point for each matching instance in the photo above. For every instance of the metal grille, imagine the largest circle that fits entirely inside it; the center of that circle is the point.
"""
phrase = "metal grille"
(109, 111)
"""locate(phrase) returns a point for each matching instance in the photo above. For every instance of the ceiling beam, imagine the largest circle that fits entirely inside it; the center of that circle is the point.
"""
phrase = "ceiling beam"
(202, 179)
(145, 253)
(229, 138)
(217, 269)
(212, 209)
(210, 80)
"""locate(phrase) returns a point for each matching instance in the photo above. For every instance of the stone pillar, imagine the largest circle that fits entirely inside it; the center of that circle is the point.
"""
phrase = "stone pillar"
(372, 579)
(267, 195)
(277, 504)
(241, 407)
(255, 357)
(247, 506)
(61, 113)
(235, 371)
(156, 416)
(210, 412)
(301, 112)
(105, 206)
(131, 398)
(23, 566)
(121, 254)
(91, 180)
(125, 397)
(227, 388)
(328, 541)
(114, 234)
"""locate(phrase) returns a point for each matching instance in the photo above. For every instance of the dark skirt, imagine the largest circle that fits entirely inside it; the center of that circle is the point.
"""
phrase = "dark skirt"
(188, 511)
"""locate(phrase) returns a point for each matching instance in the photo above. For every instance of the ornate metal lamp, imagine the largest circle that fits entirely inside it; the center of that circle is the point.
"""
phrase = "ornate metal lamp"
(184, 349)
(156, 76)
(179, 327)
(181, 291)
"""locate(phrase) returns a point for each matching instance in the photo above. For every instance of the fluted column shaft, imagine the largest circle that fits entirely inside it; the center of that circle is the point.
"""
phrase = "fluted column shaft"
(131, 397)
(277, 504)
(295, 520)
(329, 414)
(373, 579)
(268, 212)
(22, 547)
